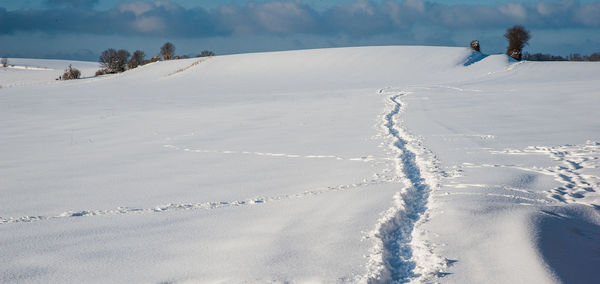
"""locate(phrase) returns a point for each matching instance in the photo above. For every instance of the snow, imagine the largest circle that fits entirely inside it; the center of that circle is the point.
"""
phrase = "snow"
(26, 72)
(368, 164)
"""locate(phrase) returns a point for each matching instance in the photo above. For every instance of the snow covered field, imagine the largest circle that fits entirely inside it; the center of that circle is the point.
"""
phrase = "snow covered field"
(27, 72)
(370, 164)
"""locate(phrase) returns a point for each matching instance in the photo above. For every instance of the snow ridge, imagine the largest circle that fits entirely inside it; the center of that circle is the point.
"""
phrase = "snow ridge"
(394, 257)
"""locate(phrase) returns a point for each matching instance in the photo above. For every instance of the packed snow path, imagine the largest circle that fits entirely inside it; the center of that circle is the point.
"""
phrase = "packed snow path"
(396, 227)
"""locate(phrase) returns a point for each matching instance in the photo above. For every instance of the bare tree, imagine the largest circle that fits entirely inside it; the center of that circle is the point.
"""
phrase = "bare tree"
(475, 46)
(206, 53)
(517, 37)
(122, 57)
(108, 60)
(136, 60)
(71, 73)
(4, 62)
(167, 51)
(114, 61)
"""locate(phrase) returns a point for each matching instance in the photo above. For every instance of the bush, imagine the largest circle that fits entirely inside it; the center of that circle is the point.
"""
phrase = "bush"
(475, 46)
(517, 37)
(206, 53)
(114, 61)
(101, 72)
(108, 59)
(167, 51)
(4, 62)
(136, 60)
(71, 73)
(122, 57)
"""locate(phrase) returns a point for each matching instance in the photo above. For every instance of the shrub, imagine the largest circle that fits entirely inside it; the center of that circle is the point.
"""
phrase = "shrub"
(101, 72)
(71, 73)
(475, 46)
(167, 51)
(136, 60)
(122, 57)
(206, 53)
(4, 61)
(114, 61)
(107, 59)
(517, 37)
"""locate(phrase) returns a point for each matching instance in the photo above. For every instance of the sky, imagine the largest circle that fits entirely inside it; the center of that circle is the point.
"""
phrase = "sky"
(82, 29)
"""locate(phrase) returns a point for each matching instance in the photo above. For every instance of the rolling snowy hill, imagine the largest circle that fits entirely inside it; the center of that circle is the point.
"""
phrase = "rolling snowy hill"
(26, 72)
(368, 164)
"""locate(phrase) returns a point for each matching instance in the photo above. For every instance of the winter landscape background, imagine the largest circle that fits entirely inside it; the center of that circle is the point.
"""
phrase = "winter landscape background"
(367, 164)
(305, 141)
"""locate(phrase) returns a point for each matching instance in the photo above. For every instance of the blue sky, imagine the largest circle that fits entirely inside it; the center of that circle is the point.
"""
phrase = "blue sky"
(81, 29)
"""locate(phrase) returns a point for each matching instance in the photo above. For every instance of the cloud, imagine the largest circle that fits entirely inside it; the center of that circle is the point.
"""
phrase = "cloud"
(590, 16)
(361, 18)
(71, 3)
(80, 54)
(137, 8)
(266, 18)
(514, 10)
(150, 24)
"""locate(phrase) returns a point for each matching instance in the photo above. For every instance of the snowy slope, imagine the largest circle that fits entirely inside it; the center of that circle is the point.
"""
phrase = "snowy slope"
(371, 164)
(519, 153)
(26, 72)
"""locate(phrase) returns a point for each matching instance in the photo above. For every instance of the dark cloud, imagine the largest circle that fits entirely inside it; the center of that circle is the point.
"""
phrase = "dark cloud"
(71, 3)
(359, 18)
(80, 54)
(276, 17)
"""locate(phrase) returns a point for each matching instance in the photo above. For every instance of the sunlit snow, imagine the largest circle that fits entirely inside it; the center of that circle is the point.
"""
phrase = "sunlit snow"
(368, 164)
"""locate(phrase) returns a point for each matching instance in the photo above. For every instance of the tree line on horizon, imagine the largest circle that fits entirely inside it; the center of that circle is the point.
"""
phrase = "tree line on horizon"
(518, 37)
(594, 57)
(117, 61)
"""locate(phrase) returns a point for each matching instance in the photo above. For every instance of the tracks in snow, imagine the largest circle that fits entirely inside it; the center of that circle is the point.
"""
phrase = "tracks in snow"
(577, 171)
(268, 154)
(393, 259)
(377, 179)
(183, 69)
